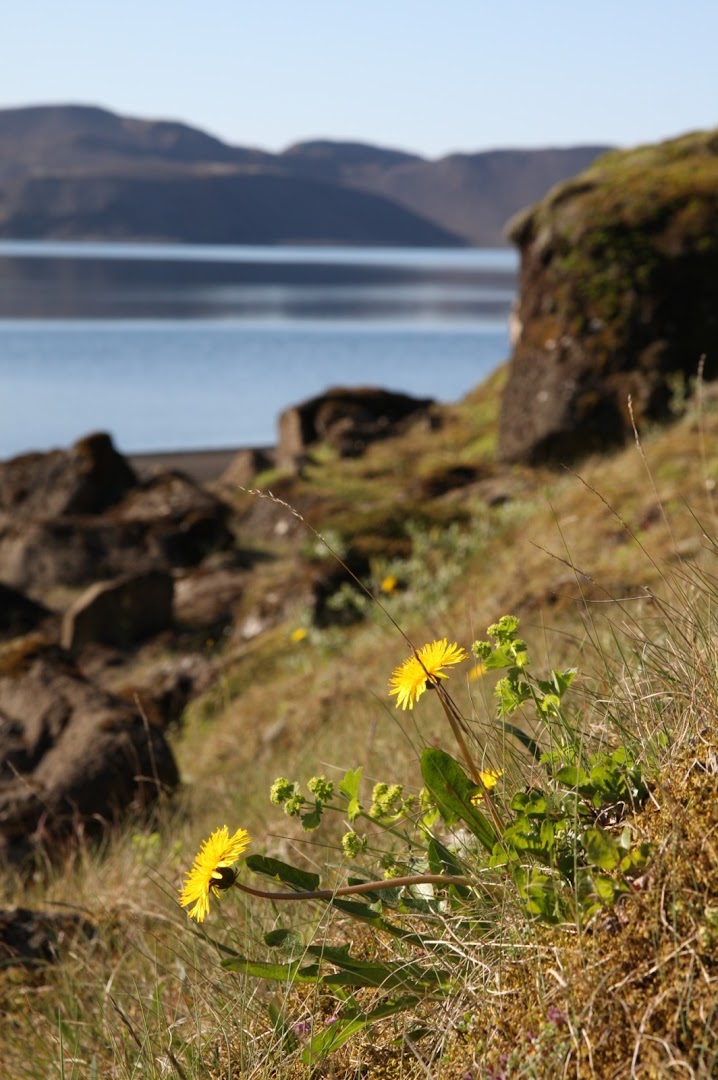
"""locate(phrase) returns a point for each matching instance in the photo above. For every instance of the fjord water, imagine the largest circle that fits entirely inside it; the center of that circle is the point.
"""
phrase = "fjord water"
(187, 347)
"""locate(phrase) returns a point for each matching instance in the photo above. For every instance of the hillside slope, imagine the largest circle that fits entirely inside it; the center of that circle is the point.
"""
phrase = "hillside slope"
(79, 172)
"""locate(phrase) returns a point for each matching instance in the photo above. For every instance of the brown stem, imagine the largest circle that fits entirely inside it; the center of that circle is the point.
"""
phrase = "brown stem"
(353, 890)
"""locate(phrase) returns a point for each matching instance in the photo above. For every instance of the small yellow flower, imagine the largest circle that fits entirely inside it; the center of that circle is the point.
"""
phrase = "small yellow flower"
(210, 870)
(477, 672)
(489, 778)
(298, 635)
(389, 585)
(409, 680)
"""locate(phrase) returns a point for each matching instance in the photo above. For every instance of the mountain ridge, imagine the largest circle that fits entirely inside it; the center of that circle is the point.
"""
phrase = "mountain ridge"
(84, 172)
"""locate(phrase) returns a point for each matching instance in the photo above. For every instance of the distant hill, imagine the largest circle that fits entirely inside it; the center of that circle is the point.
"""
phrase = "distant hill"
(80, 172)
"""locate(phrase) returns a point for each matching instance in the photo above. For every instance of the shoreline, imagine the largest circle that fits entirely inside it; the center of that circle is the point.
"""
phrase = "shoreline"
(203, 466)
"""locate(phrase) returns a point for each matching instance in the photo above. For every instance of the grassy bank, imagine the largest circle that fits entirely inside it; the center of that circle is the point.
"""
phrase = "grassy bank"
(581, 939)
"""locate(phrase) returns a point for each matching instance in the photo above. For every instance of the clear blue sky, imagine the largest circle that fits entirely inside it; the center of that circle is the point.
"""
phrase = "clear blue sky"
(425, 75)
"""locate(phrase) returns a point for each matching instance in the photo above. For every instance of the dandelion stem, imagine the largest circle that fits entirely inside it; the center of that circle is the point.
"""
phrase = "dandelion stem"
(354, 890)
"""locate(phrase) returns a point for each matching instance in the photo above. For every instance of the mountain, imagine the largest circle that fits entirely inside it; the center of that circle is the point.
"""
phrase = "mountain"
(471, 195)
(81, 172)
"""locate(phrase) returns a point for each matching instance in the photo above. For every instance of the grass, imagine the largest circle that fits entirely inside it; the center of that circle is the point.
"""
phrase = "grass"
(604, 579)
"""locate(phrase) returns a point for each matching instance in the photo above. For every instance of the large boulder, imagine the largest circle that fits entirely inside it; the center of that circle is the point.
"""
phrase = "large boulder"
(85, 479)
(348, 419)
(72, 756)
(169, 521)
(618, 297)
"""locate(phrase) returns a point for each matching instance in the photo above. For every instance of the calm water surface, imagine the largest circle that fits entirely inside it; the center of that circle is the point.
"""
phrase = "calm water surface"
(179, 347)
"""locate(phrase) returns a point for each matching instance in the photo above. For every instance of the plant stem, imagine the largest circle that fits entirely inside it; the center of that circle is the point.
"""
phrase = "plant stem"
(354, 890)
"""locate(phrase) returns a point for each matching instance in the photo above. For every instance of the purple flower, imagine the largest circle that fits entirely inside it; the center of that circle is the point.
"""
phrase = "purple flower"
(302, 1027)
(331, 1020)
(555, 1016)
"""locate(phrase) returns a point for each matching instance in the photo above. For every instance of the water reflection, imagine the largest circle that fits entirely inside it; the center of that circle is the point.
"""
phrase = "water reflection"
(160, 281)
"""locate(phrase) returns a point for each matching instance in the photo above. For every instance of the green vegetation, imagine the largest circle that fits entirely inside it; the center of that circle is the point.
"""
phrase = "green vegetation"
(522, 867)
(606, 237)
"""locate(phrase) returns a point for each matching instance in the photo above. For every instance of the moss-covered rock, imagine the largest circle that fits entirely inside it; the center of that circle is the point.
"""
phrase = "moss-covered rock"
(618, 297)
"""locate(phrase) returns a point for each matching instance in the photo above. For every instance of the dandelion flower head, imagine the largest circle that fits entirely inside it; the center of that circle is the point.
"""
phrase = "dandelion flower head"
(489, 779)
(211, 870)
(409, 680)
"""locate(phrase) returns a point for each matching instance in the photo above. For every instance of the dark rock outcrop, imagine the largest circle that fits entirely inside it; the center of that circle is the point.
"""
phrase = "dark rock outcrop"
(37, 937)
(72, 756)
(618, 297)
(18, 613)
(120, 612)
(166, 522)
(86, 479)
(348, 419)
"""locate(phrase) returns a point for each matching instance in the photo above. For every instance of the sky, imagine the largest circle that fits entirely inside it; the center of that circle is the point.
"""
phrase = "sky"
(428, 76)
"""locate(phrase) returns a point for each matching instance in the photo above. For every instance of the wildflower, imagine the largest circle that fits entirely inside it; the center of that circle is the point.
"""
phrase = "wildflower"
(293, 806)
(298, 635)
(555, 1016)
(353, 845)
(211, 870)
(489, 778)
(389, 585)
(385, 799)
(409, 680)
(281, 790)
(321, 788)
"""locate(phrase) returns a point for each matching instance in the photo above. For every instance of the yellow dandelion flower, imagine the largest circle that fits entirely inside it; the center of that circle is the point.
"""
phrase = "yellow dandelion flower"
(298, 635)
(211, 870)
(409, 680)
(489, 778)
(389, 585)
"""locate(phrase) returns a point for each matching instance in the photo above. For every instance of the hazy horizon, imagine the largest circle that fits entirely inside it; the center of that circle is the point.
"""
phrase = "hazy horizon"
(465, 78)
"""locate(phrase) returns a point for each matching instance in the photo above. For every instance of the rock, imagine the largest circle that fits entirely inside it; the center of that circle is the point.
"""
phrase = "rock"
(245, 466)
(167, 522)
(207, 597)
(618, 297)
(348, 419)
(120, 612)
(167, 688)
(184, 522)
(18, 613)
(37, 937)
(86, 479)
(334, 591)
(72, 756)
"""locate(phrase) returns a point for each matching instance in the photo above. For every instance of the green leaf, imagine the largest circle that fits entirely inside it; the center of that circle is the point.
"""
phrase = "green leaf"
(350, 783)
(531, 745)
(530, 803)
(601, 849)
(285, 973)
(375, 973)
(312, 819)
(290, 942)
(573, 776)
(281, 871)
(501, 657)
(451, 790)
(342, 1029)
(369, 915)
(443, 861)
